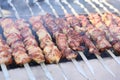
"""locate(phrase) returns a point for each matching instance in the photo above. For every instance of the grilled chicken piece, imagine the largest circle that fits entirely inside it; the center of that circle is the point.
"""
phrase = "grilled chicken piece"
(61, 38)
(14, 39)
(51, 52)
(31, 45)
(5, 52)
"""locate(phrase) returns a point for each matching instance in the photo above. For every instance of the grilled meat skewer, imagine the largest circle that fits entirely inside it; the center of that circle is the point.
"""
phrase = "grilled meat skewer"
(31, 45)
(97, 35)
(75, 24)
(74, 38)
(61, 38)
(14, 39)
(108, 19)
(51, 52)
(5, 52)
(97, 21)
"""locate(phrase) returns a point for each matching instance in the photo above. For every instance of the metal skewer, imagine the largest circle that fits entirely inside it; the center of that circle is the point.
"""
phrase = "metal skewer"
(73, 60)
(43, 66)
(14, 9)
(113, 56)
(53, 10)
(1, 12)
(27, 67)
(110, 6)
(81, 5)
(27, 3)
(99, 57)
(5, 72)
(81, 53)
(36, 2)
(65, 77)
(3, 66)
(101, 5)
(88, 1)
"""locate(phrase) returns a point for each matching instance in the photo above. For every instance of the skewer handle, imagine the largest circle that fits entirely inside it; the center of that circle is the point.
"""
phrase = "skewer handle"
(5, 72)
(49, 76)
(30, 73)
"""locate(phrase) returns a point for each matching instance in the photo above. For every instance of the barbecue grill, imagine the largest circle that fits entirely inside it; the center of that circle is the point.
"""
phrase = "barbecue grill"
(86, 66)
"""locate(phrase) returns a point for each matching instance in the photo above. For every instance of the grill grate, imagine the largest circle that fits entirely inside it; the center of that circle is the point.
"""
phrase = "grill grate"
(76, 64)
